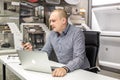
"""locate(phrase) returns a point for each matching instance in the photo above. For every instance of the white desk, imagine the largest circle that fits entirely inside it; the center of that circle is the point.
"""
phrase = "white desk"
(14, 66)
(6, 59)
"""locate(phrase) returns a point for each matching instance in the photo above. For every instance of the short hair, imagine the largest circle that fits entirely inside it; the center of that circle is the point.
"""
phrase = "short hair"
(62, 13)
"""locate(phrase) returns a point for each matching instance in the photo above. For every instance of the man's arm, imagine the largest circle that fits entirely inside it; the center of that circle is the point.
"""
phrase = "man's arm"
(78, 56)
(78, 51)
(48, 46)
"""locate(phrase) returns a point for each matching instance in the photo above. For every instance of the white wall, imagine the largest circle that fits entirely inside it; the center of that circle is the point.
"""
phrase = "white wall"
(108, 22)
(103, 2)
(109, 54)
(106, 19)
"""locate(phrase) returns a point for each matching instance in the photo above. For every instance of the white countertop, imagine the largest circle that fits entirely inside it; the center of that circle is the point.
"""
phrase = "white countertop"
(76, 75)
(12, 64)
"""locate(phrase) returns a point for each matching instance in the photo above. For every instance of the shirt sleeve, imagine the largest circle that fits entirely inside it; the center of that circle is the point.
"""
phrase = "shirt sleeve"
(78, 51)
(47, 47)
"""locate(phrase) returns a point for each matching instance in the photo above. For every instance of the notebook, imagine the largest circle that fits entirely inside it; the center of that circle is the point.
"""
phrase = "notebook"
(35, 61)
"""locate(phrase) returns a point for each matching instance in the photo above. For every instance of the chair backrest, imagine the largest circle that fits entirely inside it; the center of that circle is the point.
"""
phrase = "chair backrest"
(92, 46)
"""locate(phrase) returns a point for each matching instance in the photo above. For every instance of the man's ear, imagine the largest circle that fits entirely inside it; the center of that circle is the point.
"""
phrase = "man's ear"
(64, 20)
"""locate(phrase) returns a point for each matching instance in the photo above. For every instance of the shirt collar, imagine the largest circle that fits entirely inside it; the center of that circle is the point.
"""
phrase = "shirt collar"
(66, 30)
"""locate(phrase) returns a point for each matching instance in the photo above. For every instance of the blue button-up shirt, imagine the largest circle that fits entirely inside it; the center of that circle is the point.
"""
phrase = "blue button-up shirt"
(69, 47)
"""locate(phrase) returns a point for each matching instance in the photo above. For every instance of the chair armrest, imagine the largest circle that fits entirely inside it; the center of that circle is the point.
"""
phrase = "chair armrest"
(95, 69)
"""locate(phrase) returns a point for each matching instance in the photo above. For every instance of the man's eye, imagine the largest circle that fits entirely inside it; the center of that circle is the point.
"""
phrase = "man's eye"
(53, 20)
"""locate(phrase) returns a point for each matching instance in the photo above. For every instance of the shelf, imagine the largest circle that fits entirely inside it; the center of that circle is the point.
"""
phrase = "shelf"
(7, 15)
(26, 15)
(28, 5)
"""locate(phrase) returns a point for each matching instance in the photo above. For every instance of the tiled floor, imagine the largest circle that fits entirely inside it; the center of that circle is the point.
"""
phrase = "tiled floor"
(11, 76)
(111, 74)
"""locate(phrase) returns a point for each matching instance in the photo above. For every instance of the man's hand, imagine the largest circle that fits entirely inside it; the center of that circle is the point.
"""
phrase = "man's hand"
(59, 72)
(27, 46)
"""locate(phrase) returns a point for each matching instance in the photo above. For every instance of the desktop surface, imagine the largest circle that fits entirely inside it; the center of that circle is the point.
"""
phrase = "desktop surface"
(75, 75)
(32, 75)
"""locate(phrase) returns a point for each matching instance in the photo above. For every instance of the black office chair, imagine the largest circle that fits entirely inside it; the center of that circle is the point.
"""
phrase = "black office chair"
(92, 47)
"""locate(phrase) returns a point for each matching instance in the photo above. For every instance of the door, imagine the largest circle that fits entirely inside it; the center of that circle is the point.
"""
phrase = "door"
(105, 18)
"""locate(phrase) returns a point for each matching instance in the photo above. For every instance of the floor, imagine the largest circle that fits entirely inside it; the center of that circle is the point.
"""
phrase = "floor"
(110, 74)
(11, 76)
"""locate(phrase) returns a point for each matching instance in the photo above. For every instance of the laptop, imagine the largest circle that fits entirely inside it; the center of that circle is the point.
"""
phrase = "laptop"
(35, 61)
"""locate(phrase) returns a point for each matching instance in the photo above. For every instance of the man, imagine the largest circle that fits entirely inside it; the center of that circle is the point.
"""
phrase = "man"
(68, 43)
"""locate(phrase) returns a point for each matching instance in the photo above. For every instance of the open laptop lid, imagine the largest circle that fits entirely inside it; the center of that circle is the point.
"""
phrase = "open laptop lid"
(34, 60)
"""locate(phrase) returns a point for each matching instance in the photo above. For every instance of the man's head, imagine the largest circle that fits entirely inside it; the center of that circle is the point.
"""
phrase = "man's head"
(58, 20)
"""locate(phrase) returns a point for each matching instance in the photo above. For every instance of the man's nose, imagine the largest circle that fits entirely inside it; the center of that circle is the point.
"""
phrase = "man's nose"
(51, 23)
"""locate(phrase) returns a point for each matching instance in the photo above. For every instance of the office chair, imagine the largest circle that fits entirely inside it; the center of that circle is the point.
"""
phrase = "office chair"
(92, 47)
